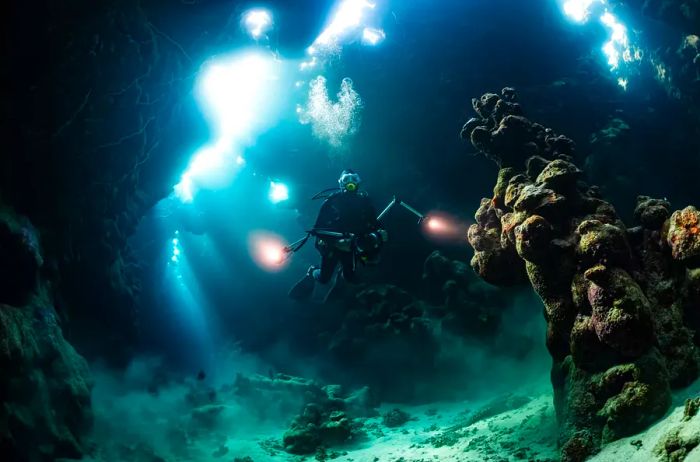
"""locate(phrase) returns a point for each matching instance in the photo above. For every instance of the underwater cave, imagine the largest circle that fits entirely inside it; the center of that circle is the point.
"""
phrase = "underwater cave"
(352, 230)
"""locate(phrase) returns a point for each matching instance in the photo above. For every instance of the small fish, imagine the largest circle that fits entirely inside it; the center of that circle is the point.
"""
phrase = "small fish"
(201, 375)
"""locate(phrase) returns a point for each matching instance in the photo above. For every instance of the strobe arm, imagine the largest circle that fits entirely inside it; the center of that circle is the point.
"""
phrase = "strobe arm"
(295, 246)
(396, 201)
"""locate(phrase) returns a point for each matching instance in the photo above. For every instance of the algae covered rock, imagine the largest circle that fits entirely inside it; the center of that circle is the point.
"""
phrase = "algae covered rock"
(559, 175)
(45, 384)
(684, 235)
(495, 264)
(652, 213)
(532, 239)
(395, 418)
(621, 313)
(602, 243)
(674, 447)
(301, 439)
(638, 394)
(691, 408)
(578, 447)
(329, 417)
(538, 199)
(318, 427)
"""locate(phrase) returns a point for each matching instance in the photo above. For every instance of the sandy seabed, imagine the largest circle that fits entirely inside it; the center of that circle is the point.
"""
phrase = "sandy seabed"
(443, 432)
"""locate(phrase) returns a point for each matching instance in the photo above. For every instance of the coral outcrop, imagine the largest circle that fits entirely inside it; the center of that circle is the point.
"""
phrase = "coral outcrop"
(395, 418)
(329, 416)
(619, 301)
(45, 385)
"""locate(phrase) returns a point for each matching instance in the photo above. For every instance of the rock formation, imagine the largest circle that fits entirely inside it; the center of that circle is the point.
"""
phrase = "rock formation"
(45, 385)
(619, 302)
(93, 131)
(95, 119)
(328, 416)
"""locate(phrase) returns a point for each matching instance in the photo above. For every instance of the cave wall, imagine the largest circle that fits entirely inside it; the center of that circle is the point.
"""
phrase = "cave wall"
(45, 384)
(683, 14)
(97, 126)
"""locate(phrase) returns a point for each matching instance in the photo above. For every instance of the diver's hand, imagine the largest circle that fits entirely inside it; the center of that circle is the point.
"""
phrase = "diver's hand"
(376, 238)
(344, 245)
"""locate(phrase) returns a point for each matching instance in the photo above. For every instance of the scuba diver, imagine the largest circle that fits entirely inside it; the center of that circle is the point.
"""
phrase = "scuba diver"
(347, 232)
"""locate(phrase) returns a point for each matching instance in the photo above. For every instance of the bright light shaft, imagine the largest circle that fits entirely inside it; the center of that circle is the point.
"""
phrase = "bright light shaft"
(175, 249)
(210, 167)
(236, 93)
(372, 36)
(348, 23)
(618, 47)
(267, 250)
(257, 22)
(347, 18)
(185, 300)
(185, 189)
(278, 192)
(580, 10)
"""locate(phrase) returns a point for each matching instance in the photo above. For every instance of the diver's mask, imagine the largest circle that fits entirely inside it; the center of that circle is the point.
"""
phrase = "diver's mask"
(349, 181)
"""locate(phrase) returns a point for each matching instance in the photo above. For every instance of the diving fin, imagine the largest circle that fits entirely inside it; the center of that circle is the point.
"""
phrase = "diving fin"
(303, 289)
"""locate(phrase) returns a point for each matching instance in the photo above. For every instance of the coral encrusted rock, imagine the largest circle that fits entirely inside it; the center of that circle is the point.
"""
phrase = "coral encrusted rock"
(620, 302)
(329, 418)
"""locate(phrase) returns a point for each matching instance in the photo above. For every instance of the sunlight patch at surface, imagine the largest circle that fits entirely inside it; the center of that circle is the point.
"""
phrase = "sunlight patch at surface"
(580, 10)
(234, 91)
(348, 17)
(257, 22)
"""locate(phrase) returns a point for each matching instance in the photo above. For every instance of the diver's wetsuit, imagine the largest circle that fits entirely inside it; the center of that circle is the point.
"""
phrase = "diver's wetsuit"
(343, 212)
